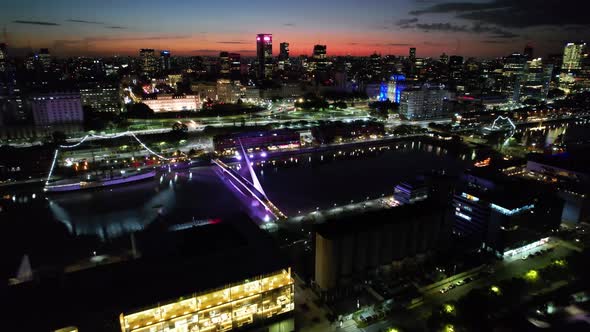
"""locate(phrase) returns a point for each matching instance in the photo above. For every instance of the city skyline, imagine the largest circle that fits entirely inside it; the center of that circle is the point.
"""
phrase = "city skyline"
(480, 28)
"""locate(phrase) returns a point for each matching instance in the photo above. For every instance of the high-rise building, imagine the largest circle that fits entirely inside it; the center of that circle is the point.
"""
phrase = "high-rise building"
(319, 52)
(148, 61)
(512, 72)
(284, 51)
(44, 59)
(572, 56)
(264, 55)
(412, 53)
(425, 102)
(224, 65)
(3, 57)
(444, 58)
(101, 97)
(528, 51)
(165, 60)
(235, 66)
(535, 81)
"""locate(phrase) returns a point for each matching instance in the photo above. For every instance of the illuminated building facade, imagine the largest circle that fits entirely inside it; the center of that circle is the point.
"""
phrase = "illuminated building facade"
(535, 80)
(148, 61)
(233, 306)
(264, 55)
(572, 56)
(412, 53)
(499, 213)
(426, 102)
(102, 98)
(3, 57)
(235, 66)
(284, 51)
(165, 60)
(57, 108)
(170, 103)
(257, 141)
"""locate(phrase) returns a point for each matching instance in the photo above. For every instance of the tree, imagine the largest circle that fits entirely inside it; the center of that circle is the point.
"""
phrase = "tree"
(58, 137)
(140, 110)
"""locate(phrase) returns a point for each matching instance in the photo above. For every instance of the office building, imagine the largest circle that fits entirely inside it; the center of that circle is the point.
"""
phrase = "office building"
(500, 213)
(572, 56)
(284, 51)
(101, 97)
(264, 55)
(425, 102)
(235, 66)
(512, 76)
(534, 83)
(444, 58)
(224, 64)
(456, 68)
(412, 54)
(56, 108)
(44, 59)
(410, 192)
(228, 91)
(147, 61)
(165, 60)
(170, 103)
(319, 52)
(349, 247)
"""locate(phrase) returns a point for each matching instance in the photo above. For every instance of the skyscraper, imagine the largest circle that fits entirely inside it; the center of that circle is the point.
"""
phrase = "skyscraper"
(319, 52)
(284, 52)
(224, 64)
(165, 60)
(412, 53)
(3, 57)
(235, 66)
(264, 55)
(572, 55)
(528, 52)
(44, 58)
(148, 62)
(444, 58)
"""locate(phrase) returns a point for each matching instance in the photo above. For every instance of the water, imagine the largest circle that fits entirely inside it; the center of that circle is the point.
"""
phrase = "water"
(176, 197)
(320, 180)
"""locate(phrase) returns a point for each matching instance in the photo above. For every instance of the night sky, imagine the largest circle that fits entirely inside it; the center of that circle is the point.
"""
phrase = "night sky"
(357, 27)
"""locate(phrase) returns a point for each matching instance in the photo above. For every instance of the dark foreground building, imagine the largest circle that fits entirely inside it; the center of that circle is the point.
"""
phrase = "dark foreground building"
(216, 277)
(257, 141)
(350, 247)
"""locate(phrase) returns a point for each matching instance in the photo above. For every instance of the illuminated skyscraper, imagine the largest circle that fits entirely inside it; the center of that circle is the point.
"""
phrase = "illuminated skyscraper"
(235, 66)
(264, 55)
(572, 56)
(444, 58)
(412, 53)
(148, 61)
(224, 64)
(165, 60)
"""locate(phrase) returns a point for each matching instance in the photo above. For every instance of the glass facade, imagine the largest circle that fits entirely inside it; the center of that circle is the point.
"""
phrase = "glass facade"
(222, 309)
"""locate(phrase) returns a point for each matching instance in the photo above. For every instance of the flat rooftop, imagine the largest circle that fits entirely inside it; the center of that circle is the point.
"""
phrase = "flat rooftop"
(172, 265)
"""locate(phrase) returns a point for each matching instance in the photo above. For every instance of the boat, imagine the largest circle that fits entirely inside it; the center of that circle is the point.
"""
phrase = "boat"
(100, 182)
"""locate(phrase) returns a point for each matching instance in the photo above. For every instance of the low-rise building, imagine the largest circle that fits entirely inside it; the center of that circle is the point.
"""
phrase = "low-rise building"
(170, 103)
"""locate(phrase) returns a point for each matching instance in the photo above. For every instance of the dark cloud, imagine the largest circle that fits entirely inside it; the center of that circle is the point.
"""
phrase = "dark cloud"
(233, 42)
(477, 28)
(84, 21)
(117, 27)
(516, 13)
(407, 21)
(289, 24)
(35, 22)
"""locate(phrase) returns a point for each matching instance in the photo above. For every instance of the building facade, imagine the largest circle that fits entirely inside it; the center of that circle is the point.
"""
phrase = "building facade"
(426, 102)
(234, 306)
(102, 98)
(170, 103)
(264, 55)
(148, 61)
(57, 108)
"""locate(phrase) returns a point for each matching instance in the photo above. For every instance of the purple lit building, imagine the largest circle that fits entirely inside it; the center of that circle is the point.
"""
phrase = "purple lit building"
(57, 108)
(264, 55)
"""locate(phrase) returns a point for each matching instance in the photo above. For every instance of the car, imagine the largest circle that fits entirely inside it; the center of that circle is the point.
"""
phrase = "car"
(451, 286)
(467, 280)
(443, 290)
(460, 283)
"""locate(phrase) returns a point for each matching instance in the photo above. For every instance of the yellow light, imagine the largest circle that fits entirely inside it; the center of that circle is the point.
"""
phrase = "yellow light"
(495, 289)
(532, 275)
